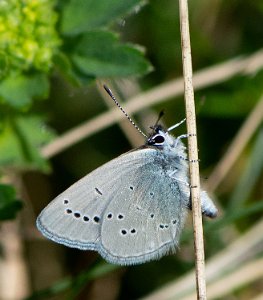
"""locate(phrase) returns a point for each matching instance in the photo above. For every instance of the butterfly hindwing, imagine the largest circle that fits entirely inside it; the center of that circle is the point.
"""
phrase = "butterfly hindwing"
(144, 220)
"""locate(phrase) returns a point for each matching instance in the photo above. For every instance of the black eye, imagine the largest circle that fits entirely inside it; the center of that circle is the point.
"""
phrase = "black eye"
(159, 139)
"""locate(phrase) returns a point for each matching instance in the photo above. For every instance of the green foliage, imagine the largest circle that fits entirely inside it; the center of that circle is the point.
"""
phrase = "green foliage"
(32, 47)
(20, 139)
(28, 37)
(9, 205)
(90, 49)
(80, 16)
(74, 285)
(18, 90)
(238, 97)
(92, 58)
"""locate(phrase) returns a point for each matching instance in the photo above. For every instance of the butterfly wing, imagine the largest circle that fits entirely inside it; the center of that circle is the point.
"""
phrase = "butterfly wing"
(130, 210)
(144, 220)
(74, 217)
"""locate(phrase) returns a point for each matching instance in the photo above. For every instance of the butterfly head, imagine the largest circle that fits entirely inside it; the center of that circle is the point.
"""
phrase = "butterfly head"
(160, 138)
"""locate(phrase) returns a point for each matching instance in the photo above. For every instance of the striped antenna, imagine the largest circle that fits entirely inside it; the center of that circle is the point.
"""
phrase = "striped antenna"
(118, 104)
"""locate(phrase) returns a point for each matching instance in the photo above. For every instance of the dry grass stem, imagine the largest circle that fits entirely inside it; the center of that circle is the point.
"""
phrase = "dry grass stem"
(237, 146)
(14, 279)
(217, 266)
(203, 78)
(192, 151)
(258, 297)
(240, 277)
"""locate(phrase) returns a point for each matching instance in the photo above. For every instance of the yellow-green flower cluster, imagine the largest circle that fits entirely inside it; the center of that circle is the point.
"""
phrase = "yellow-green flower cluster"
(28, 37)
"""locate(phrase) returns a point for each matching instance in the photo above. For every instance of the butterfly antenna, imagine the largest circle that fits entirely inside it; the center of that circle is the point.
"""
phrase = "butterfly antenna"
(157, 121)
(161, 114)
(118, 104)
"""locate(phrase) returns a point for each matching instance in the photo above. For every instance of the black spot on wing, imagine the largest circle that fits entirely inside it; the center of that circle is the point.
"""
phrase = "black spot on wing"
(98, 191)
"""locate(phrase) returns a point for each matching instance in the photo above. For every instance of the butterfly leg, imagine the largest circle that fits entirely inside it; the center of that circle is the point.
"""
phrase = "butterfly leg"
(186, 135)
(176, 125)
(183, 136)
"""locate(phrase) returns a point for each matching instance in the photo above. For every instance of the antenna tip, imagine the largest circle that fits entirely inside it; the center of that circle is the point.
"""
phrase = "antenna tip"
(108, 90)
(161, 114)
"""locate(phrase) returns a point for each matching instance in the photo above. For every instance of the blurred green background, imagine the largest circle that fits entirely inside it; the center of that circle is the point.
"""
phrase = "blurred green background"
(54, 56)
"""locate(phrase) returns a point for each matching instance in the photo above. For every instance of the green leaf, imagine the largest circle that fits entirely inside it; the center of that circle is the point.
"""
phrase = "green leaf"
(9, 205)
(3, 65)
(20, 140)
(99, 53)
(67, 70)
(18, 90)
(83, 15)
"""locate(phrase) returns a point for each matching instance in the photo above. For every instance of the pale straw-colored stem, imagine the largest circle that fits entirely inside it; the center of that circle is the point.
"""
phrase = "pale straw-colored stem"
(237, 146)
(192, 151)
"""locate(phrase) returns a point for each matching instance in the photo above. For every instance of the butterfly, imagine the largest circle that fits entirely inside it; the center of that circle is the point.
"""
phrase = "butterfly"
(132, 209)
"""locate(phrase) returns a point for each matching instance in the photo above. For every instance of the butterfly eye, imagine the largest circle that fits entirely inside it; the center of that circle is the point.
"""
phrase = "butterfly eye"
(159, 139)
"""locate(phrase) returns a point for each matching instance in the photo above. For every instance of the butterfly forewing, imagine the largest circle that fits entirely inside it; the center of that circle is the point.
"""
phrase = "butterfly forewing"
(74, 217)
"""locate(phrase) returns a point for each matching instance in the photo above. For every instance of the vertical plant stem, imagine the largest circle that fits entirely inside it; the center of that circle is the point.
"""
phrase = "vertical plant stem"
(192, 149)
